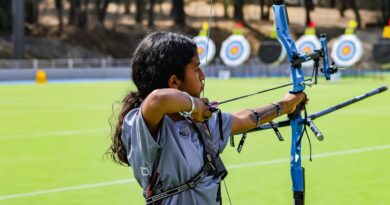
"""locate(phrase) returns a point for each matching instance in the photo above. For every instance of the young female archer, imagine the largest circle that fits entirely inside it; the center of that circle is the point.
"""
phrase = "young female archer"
(168, 134)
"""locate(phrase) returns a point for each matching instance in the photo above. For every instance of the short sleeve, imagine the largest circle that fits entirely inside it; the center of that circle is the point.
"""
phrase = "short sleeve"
(213, 124)
(142, 149)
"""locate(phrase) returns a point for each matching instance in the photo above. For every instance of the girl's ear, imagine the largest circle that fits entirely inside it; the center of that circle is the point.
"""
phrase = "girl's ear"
(174, 82)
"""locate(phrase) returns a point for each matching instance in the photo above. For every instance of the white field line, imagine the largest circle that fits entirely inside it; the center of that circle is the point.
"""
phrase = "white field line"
(323, 155)
(236, 166)
(53, 134)
(71, 188)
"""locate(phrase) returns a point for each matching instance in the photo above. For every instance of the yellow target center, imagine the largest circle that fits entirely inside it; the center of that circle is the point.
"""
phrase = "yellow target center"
(234, 50)
(306, 49)
(200, 50)
(346, 50)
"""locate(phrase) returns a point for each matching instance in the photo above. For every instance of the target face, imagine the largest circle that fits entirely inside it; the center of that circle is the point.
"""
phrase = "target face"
(206, 53)
(347, 50)
(307, 44)
(235, 50)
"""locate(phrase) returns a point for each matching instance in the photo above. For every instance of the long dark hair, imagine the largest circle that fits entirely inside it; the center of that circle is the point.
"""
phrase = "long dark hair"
(158, 56)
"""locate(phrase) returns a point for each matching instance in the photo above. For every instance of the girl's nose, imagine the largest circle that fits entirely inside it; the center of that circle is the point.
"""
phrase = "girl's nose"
(202, 76)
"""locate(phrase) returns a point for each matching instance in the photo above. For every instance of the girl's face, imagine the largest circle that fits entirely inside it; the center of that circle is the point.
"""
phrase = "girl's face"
(193, 78)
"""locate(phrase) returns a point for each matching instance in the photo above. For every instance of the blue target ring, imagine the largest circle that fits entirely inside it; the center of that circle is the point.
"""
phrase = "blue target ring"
(234, 56)
(308, 44)
(203, 45)
(342, 46)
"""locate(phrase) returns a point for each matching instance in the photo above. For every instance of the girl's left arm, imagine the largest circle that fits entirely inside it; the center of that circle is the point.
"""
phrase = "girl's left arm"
(247, 119)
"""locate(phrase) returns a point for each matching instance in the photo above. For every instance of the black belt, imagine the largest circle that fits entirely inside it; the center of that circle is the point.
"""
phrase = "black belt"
(183, 187)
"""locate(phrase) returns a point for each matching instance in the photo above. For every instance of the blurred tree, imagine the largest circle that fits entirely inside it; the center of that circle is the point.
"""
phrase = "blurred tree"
(178, 13)
(385, 7)
(127, 6)
(5, 15)
(309, 6)
(332, 4)
(60, 10)
(160, 2)
(238, 14)
(31, 11)
(151, 13)
(264, 15)
(353, 5)
(78, 13)
(101, 8)
(139, 5)
(225, 8)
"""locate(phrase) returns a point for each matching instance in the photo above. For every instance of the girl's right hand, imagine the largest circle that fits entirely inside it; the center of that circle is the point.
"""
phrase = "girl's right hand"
(201, 111)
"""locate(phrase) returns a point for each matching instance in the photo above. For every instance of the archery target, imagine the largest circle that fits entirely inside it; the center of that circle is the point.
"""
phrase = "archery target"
(347, 50)
(204, 54)
(272, 51)
(235, 50)
(307, 44)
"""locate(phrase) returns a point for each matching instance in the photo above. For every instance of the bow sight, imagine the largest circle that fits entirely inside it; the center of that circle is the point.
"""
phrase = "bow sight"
(316, 56)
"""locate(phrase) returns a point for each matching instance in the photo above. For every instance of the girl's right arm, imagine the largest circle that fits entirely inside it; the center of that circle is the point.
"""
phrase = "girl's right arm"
(168, 101)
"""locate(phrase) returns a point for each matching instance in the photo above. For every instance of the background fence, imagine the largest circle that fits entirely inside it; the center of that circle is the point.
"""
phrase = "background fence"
(121, 68)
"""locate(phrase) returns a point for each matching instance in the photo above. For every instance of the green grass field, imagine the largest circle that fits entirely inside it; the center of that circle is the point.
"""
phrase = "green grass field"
(53, 138)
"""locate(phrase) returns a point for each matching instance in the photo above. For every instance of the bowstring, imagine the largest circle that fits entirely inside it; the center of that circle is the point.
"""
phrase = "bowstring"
(204, 82)
(208, 40)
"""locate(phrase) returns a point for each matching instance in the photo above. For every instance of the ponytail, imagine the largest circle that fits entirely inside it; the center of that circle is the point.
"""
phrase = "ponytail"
(117, 150)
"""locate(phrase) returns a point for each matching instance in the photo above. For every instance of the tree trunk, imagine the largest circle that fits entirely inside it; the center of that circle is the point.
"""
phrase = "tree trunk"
(385, 7)
(139, 5)
(355, 9)
(73, 11)
(177, 12)
(5, 16)
(264, 15)
(127, 6)
(332, 3)
(343, 7)
(101, 7)
(225, 9)
(117, 15)
(31, 11)
(308, 8)
(238, 10)
(160, 2)
(151, 13)
(59, 9)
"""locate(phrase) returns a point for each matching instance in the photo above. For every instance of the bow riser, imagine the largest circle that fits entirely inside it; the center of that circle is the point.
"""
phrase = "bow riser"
(297, 171)
(284, 36)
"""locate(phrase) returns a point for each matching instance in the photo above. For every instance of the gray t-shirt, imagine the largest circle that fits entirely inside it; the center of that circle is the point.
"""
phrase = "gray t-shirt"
(181, 155)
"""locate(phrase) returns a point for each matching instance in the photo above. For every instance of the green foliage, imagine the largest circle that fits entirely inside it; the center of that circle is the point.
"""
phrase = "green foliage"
(54, 136)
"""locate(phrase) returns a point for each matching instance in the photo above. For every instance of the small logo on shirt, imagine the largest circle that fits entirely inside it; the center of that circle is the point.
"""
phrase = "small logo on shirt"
(145, 171)
(184, 132)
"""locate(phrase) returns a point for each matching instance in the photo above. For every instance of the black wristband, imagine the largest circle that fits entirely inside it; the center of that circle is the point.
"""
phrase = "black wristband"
(258, 117)
(278, 108)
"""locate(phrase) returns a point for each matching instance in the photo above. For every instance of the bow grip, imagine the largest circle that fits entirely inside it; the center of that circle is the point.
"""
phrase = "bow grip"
(297, 111)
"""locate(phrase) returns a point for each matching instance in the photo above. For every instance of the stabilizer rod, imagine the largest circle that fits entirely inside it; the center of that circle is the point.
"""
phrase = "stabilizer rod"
(321, 113)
